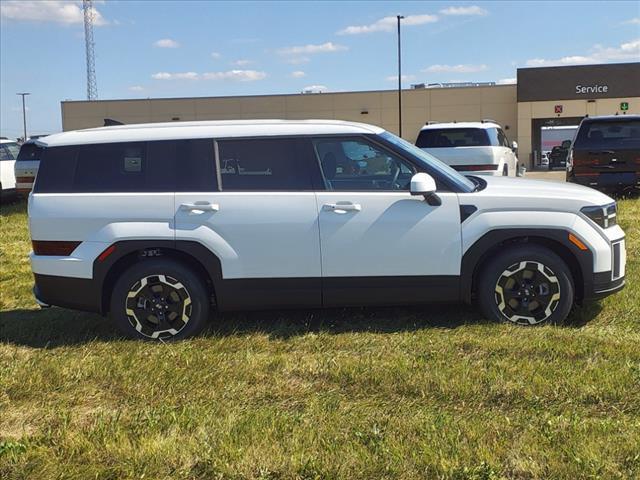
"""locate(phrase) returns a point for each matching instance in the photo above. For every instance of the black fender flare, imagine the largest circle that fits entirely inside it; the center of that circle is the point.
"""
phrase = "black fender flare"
(579, 261)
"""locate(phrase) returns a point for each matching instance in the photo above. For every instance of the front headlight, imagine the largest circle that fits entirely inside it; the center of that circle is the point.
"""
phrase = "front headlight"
(606, 216)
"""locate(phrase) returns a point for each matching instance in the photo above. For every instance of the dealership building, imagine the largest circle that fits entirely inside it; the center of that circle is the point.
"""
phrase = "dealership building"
(542, 97)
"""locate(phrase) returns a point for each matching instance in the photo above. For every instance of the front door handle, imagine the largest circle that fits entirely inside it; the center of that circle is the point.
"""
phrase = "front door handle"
(202, 207)
(343, 207)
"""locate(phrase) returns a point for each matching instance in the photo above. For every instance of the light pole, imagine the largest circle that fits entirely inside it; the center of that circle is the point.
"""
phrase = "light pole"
(24, 115)
(399, 17)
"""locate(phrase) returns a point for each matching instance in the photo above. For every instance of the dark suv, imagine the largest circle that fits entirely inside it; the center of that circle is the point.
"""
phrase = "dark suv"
(606, 153)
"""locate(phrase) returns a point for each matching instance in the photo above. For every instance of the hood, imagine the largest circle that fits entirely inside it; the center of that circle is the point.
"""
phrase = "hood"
(534, 194)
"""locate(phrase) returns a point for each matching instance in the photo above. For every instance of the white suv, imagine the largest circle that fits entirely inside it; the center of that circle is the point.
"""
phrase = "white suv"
(160, 224)
(8, 154)
(477, 148)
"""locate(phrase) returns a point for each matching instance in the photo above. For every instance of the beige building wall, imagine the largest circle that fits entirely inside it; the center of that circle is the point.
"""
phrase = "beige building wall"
(376, 107)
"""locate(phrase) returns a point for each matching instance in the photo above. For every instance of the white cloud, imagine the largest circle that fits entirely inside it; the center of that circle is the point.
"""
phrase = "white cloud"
(599, 54)
(235, 75)
(298, 74)
(166, 43)
(463, 11)
(175, 76)
(455, 68)
(327, 47)
(632, 21)
(136, 88)
(315, 88)
(65, 13)
(388, 24)
(242, 63)
(216, 55)
(405, 78)
(507, 81)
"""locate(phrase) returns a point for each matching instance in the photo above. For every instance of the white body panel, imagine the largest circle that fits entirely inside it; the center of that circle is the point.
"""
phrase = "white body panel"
(255, 235)
(392, 234)
(511, 203)
(7, 162)
(456, 156)
(97, 220)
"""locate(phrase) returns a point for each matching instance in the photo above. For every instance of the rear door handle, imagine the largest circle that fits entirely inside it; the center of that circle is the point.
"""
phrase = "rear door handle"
(343, 207)
(202, 207)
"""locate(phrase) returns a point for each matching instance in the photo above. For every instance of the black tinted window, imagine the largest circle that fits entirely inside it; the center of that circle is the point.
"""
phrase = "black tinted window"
(159, 166)
(611, 134)
(30, 151)
(453, 137)
(195, 166)
(263, 164)
(57, 169)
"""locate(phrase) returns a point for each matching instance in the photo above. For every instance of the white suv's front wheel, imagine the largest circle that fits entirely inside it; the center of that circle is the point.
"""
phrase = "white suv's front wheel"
(160, 300)
(526, 285)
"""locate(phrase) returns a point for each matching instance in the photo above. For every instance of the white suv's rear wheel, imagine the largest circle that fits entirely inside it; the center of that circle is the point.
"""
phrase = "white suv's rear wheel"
(526, 285)
(160, 300)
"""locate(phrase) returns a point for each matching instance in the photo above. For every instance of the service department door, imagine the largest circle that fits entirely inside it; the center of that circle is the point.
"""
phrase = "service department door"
(379, 244)
(262, 225)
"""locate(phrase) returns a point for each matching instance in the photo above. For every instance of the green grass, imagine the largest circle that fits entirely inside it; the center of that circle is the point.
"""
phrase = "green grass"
(432, 392)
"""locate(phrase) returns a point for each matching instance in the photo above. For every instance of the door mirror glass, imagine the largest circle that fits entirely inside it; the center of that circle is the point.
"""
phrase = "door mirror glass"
(422, 184)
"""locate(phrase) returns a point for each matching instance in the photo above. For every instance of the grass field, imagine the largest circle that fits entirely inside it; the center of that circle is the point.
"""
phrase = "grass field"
(432, 392)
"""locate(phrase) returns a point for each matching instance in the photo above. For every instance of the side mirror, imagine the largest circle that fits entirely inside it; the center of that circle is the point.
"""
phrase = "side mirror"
(424, 184)
(514, 146)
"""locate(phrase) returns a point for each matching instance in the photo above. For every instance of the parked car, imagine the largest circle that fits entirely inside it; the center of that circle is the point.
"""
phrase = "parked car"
(160, 224)
(558, 155)
(478, 148)
(26, 166)
(8, 153)
(606, 153)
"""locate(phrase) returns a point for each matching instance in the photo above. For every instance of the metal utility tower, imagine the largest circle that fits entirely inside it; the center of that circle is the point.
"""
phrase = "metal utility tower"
(89, 12)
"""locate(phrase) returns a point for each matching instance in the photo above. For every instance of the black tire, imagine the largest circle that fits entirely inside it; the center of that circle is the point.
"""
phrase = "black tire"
(505, 171)
(526, 285)
(172, 302)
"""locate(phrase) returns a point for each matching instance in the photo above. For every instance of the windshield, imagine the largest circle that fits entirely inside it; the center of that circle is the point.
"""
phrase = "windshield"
(13, 148)
(462, 182)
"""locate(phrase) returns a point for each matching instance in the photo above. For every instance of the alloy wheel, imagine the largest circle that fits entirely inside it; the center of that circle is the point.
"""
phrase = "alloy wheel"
(527, 292)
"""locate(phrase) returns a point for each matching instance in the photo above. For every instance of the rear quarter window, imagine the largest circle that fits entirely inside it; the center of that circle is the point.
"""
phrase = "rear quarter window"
(158, 166)
(624, 134)
(29, 152)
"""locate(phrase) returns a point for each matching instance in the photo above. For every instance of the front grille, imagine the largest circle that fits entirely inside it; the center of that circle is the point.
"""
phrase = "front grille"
(617, 259)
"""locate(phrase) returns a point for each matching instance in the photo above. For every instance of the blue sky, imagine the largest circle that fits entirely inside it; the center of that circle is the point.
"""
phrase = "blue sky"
(173, 49)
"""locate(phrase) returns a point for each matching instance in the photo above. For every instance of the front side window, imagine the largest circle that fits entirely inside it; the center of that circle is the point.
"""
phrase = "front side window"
(354, 164)
(263, 165)
(453, 137)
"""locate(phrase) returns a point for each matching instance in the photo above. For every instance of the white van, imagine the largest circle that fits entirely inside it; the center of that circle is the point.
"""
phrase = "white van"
(480, 148)
(160, 224)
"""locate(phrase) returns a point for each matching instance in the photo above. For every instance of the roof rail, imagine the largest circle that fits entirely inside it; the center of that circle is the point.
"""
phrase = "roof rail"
(488, 120)
(432, 122)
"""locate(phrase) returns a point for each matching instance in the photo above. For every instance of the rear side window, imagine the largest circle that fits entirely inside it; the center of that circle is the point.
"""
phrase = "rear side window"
(453, 137)
(263, 164)
(609, 134)
(158, 166)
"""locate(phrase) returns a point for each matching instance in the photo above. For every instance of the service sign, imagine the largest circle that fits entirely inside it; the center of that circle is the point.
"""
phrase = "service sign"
(582, 82)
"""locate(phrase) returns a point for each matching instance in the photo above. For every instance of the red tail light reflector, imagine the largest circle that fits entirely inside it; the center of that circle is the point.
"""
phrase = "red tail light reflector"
(54, 248)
